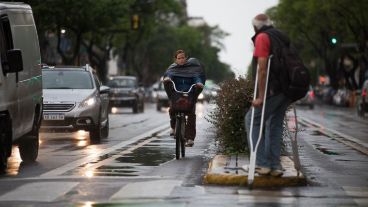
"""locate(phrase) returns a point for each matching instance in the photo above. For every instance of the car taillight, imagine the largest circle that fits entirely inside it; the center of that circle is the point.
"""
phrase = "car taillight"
(311, 94)
(364, 93)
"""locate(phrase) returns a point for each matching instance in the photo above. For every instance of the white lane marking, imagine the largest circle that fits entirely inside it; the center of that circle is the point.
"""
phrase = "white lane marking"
(361, 201)
(356, 191)
(62, 177)
(266, 199)
(360, 194)
(42, 191)
(72, 165)
(150, 189)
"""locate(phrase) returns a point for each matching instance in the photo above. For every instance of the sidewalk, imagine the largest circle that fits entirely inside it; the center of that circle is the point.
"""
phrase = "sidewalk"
(227, 170)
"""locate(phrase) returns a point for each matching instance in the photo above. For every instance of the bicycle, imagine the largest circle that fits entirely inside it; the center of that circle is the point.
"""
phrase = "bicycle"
(183, 104)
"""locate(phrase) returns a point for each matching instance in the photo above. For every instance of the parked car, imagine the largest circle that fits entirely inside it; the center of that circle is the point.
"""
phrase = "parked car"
(125, 92)
(308, 99)
(162, 100)
(327, 94)
(362, 102)
(20, 83)
(74, 99)
(150, 92)
(342, 97)
(210, 92)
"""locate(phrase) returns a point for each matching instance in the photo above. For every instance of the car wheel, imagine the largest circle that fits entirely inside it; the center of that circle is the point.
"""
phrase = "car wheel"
(142, 107)
(3, 148)
(311, 106)
(96, 131)
(105, 130)
(158, 106)
(360, 110)
(29, 145)
(28, 148)
(135, 108)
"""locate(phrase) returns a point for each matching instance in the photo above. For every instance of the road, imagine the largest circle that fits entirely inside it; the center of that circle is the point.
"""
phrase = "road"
(136, 166)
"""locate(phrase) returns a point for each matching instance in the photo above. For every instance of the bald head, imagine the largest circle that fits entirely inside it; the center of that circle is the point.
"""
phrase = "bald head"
(261, 20)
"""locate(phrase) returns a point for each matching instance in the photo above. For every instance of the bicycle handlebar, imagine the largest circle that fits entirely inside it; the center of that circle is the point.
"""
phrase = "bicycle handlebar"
(183, 92)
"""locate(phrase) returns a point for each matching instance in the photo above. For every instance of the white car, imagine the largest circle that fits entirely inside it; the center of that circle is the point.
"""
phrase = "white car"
(20, 83)
(75, 100)
(161, 97)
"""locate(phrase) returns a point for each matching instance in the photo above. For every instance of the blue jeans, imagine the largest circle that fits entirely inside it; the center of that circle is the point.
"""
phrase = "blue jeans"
(269, 149)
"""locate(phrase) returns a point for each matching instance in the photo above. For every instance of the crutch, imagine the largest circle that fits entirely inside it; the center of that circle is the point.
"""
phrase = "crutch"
(253, 152)
(294, 142)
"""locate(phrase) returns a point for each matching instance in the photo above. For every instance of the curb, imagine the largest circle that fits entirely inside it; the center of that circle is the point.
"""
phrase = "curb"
(227, 170)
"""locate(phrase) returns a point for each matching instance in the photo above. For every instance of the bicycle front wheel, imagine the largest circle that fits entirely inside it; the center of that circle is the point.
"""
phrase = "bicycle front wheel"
(178, 137)
(182, 140)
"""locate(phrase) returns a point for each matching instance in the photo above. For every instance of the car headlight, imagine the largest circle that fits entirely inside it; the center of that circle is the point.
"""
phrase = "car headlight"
(133, 92)
(88, 102)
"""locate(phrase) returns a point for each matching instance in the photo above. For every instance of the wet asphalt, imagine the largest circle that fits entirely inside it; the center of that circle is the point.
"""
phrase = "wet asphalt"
(136, 166)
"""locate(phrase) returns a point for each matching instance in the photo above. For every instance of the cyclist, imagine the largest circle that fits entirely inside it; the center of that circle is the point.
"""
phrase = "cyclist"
(184, 73)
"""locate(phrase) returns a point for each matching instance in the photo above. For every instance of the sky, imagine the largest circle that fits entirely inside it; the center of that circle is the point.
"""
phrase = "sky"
(234, 17)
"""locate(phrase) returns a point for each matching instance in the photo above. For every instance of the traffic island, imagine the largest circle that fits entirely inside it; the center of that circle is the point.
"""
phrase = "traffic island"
(228, 170)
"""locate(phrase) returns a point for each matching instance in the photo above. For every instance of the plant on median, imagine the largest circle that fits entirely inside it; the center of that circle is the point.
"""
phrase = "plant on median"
(231, 104)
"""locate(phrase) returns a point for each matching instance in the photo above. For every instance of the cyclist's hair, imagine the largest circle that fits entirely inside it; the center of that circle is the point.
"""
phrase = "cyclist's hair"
(179, 52)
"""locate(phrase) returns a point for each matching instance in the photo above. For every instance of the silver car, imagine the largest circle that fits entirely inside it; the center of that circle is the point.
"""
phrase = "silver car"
(161, 97)
(75, 100)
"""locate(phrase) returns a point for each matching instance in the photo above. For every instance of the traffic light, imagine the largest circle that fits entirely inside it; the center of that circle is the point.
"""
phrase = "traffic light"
(135, 22)
(333, 40)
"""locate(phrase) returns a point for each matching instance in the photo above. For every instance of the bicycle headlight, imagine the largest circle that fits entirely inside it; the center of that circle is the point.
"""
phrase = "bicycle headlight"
(200, 96)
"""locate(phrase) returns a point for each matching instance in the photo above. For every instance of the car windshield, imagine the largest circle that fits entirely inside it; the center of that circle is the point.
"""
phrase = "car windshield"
(122, 83)
(63, 79)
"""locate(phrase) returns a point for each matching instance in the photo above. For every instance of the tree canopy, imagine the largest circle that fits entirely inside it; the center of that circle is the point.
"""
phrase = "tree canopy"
(89, 31)
(326, 31)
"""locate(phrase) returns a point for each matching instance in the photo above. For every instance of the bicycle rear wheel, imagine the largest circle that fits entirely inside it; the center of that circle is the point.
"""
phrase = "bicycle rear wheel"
(177, 136)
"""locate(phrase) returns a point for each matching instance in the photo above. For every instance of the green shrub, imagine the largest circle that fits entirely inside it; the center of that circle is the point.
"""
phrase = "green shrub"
(231, 104)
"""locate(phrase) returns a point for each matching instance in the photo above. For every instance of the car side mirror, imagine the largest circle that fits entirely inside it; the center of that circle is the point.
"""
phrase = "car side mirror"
(15, 60)
(104, 89)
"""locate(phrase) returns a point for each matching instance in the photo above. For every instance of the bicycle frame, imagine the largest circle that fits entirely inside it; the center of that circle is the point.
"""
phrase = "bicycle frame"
(180, 125)
(182, 92)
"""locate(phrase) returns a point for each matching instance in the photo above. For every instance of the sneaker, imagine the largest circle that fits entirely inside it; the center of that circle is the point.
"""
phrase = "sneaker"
(189, 143)
(172, 132)
(263, 170)
(276, 173)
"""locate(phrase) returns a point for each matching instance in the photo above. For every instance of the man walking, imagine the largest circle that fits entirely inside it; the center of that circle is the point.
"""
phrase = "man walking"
(269, 150)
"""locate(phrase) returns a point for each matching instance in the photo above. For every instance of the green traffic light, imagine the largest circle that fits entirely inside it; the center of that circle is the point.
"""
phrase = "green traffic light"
(333, 40)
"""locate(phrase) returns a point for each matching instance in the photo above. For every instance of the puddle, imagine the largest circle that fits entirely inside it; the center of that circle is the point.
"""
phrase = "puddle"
(97, 173)
(116, 169)
(166, 141)
(148, 156)
(326, 151)
(319, 133)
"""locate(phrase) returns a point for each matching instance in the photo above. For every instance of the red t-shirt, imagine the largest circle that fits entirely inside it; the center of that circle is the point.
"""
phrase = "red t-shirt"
(262, 46)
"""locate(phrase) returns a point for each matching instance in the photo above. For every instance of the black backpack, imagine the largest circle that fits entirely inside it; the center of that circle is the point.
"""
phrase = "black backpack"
(294, 77)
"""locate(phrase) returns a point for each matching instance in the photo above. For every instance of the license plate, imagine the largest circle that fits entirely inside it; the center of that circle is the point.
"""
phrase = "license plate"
(53, 117)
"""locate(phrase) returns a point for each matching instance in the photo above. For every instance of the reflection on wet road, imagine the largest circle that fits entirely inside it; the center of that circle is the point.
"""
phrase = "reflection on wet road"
(133, 160)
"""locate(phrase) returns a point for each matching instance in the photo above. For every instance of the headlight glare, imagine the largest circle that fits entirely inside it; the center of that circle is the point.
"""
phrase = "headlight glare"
(88, 102)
